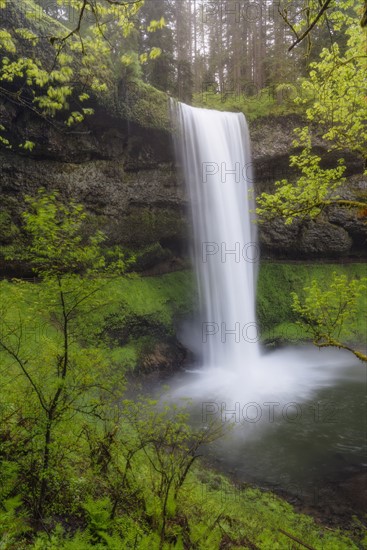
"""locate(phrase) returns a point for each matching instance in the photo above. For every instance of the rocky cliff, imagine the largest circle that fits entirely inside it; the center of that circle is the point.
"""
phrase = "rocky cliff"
(337, 232)
(125, 174)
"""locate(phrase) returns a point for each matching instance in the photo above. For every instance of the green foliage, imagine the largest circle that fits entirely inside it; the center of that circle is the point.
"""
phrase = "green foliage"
(8, 230)
(245, 517)
(334, 98)
(125, 357)
(51, 68)
(334, 93)
(62, 374)
(99, 518)
(13, 524)
(273, 100)
(326, 310)
(277, 281)
(128, 480)
(64, 404)
(252, 107)
(58, 539)
(56, 246)
(314, 189)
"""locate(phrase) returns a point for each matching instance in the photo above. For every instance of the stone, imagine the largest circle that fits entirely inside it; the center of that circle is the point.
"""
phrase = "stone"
(324, 238)
(127, 178)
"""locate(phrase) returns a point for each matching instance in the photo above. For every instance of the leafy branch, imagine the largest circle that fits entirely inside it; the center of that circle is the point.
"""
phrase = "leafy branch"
(326, 310)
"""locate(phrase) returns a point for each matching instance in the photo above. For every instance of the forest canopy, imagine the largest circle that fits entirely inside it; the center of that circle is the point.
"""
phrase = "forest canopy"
(57, 54)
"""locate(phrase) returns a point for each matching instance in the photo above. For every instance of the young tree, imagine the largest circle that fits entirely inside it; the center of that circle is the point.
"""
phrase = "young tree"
(60, 376)
(325, 310)
(146, 459)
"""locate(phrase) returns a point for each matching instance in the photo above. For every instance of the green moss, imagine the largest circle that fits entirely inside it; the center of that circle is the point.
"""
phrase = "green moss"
(136, 313)
(150, 108)
(143, 104)
(162, 299)
(125, 357)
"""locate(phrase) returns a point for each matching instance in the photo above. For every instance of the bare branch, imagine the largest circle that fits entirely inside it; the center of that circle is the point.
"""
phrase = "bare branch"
(292, 537)
(300, 38)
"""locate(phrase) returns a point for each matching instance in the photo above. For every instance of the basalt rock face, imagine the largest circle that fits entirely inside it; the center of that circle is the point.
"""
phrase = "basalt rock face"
(127, 203)
(337, 232)
(122, 173)
(125, 175)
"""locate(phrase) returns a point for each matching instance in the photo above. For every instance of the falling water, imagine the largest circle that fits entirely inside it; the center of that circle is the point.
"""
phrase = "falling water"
(217, 169)
(214, 150)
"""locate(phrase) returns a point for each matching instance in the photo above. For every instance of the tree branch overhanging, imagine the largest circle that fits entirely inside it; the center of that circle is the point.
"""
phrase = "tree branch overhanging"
(301, 37)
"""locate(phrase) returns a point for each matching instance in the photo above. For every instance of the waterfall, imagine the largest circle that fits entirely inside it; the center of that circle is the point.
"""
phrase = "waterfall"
(214, 149)
(275, 401)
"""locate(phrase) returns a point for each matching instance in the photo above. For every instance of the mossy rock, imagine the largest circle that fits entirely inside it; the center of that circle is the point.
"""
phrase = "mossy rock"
(144, 226)
(145, 105)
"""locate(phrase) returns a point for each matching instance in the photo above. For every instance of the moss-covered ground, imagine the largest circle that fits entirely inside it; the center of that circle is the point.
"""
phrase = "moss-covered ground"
(137, 312)
(213, 514)
(210, 512)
